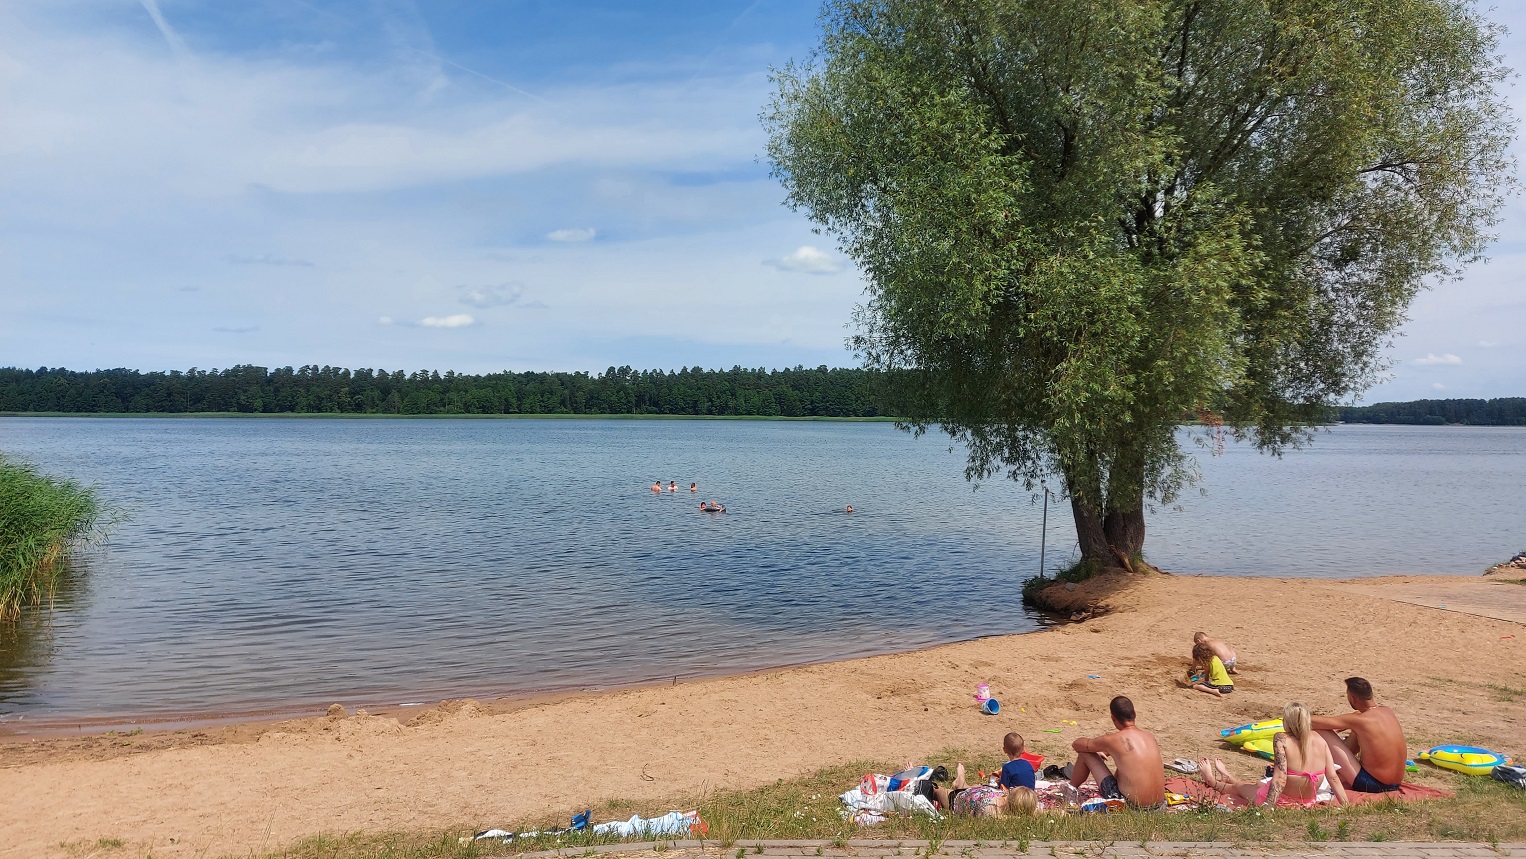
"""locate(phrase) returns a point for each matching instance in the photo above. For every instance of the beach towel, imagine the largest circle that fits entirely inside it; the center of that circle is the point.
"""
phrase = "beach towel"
(867, 809)
(672, 823)
(1202, 793)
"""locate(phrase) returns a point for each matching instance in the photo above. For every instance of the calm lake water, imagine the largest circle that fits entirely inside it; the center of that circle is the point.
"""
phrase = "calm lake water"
(275, 566)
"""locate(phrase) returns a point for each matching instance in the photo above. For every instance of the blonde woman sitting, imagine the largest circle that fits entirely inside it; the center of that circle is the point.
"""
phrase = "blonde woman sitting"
(1303, 770)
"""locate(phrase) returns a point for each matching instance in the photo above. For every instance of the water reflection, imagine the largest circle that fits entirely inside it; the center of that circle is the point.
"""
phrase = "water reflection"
(27, 644)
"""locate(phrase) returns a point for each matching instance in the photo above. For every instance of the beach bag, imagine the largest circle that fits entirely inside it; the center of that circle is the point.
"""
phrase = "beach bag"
(1511, 775)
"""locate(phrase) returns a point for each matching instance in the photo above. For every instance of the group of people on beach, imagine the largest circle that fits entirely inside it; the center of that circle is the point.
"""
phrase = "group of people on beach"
(1314, 758)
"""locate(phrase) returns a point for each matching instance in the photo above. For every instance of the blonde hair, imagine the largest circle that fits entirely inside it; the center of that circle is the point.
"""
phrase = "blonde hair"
(1296, 723)
(1022, 800)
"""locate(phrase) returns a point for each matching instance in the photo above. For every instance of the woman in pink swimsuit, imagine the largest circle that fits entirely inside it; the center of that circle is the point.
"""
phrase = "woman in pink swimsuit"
(1303, 771)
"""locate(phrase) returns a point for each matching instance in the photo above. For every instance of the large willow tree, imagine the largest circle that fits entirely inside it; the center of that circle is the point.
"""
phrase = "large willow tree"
(1082, 221)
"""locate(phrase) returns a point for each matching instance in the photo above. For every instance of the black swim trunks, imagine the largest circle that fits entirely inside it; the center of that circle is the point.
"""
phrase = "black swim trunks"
(1108, 787)
(1365, 783)
(1224, 690)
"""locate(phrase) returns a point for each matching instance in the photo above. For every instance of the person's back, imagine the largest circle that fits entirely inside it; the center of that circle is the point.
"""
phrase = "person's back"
(1140, 770)
(1304, 770)
(1382, 743)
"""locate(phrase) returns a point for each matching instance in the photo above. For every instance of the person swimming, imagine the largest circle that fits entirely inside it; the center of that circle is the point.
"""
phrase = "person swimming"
(712, 506)
(694, 487)
(672, 486)
(657, 486)
(848, 509)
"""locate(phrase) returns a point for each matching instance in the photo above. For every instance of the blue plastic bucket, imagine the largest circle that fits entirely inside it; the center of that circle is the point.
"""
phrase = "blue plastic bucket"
(990, 706)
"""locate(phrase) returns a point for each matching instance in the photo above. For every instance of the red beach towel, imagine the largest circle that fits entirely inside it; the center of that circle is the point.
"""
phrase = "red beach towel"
(1202, 792)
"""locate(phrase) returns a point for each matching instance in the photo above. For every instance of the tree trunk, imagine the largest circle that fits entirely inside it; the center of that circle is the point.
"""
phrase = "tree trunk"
(1125, 534)
(1091, 535)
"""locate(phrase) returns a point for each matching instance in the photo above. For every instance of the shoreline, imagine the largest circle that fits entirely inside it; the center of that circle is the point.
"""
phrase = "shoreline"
(17, 730)
(1452, 677)
(65, 728)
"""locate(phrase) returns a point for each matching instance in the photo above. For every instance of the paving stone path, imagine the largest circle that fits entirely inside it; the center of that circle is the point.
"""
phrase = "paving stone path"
(1045, 850)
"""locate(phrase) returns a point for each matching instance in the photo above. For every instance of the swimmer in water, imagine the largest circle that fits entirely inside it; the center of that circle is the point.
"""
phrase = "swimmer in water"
(672, 486)
(694, 487)
(849, 509)
(713, 506)
(657, 486)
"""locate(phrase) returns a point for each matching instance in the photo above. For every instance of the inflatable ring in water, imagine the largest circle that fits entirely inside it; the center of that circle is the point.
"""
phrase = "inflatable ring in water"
(1469, 760)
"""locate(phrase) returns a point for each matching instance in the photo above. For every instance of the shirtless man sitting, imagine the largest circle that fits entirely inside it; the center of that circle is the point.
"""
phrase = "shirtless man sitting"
(1140, 779)
(1371, 757)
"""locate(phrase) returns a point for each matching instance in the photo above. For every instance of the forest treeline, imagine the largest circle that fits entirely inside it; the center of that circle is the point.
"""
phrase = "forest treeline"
(799, 392)
(1504, 411)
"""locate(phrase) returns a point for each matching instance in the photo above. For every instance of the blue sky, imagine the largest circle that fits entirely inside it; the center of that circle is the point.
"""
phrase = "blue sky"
(464, 185)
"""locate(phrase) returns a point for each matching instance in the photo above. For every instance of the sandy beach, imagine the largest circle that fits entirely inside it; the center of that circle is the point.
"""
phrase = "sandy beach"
(1452, 675)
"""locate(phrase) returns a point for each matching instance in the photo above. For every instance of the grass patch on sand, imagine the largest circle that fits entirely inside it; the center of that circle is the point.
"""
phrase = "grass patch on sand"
(1483, 811)
(41, 519)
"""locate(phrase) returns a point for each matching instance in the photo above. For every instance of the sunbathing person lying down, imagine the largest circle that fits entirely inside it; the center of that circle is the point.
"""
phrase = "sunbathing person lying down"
(983, 800)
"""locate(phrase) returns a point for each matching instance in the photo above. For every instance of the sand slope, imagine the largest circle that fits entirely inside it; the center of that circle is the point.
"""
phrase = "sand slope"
(466, 766)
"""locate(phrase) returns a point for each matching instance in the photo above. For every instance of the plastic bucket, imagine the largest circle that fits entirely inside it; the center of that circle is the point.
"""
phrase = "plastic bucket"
(990, 706)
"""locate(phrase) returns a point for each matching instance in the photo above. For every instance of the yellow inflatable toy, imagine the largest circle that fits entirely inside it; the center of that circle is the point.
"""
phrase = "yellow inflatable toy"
(1259, 748)
(1254, 731)
(1470, 760)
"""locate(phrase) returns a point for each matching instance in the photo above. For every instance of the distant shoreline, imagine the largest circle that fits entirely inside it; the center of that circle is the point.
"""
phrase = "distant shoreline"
(473, 417)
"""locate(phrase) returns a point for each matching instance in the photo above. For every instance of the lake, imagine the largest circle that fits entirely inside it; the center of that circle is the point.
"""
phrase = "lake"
(273, 566)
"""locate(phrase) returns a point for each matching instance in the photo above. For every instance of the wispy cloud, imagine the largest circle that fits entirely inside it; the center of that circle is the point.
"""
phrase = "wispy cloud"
(1438, 386)
(807, 260)
(177, 44)
(491, 296)
(267, 259)
(455, 320)
(572, 234)
(1487, 344)
(1433, 360)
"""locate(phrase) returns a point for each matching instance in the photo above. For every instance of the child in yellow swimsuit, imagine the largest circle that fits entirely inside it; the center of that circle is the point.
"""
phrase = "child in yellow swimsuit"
(1208, 672)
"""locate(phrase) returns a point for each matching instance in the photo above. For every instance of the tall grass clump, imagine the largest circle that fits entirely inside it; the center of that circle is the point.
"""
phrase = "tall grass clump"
(41, 519)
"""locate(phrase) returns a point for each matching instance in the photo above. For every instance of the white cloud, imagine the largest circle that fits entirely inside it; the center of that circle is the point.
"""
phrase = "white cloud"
(484, 297)
(1487, 344)
(807, 260)
(1433, 360)
(455, 320)
(572, 234)
(1438, 386)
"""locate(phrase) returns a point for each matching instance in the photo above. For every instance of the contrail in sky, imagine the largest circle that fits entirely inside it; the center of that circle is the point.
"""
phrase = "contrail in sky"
(177, 44)
(479, 74)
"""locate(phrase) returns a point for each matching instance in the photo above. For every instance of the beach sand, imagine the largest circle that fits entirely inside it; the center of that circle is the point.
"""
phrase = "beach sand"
(1451, 676)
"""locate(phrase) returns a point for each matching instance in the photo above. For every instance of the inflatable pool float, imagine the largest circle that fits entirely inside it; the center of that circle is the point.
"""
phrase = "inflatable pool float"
(1259, 748)
(1470, 760)
(1254, 731)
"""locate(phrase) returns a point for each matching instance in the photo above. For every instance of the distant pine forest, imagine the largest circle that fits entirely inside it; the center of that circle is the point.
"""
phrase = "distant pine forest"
(801, 392)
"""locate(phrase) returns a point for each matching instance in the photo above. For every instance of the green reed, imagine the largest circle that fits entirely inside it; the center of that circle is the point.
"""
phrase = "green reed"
(41, 520)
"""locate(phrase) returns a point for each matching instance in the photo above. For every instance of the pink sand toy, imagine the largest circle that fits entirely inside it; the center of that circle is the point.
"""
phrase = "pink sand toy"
(983, 692)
